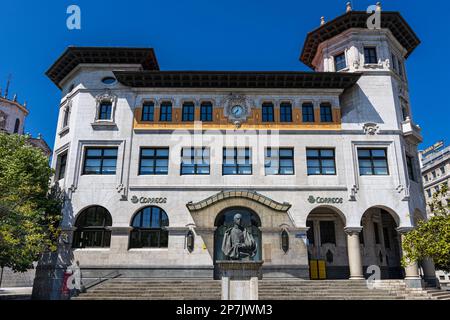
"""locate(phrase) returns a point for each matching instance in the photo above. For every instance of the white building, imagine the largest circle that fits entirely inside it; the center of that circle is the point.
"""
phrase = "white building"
(338, 185)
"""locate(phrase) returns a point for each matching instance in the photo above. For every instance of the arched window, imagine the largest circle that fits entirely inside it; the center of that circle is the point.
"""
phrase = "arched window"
(284, 241)
(17, 126)
(149, 229)
(92, 228)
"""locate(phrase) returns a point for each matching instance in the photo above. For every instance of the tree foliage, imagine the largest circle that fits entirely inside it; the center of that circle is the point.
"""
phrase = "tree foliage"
(431, 238)
(30, 211)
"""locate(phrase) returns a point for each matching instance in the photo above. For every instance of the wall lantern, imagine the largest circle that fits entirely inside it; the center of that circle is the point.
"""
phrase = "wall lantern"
(190, 241)
(284, 241)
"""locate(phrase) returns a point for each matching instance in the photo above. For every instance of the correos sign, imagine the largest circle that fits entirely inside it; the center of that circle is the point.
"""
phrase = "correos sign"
(321, 200)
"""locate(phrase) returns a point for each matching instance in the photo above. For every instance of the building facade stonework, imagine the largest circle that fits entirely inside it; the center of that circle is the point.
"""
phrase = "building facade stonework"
(154, 163)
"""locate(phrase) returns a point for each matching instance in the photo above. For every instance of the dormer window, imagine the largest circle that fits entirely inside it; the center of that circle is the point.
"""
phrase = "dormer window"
(339, 62)
(370, 55)
(105, 110)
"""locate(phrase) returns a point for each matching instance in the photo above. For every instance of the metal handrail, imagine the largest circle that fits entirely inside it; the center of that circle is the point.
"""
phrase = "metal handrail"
(109, 276)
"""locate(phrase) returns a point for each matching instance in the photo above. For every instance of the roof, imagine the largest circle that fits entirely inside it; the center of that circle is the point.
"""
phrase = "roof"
(358, 19)
(236, 79)
(73, 56)
(17, 104)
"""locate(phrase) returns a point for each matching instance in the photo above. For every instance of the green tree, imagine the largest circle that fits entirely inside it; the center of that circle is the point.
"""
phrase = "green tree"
(30, 211)
(431, 238)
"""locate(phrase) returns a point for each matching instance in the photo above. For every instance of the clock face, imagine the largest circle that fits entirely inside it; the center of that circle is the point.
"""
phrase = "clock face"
(237, 111)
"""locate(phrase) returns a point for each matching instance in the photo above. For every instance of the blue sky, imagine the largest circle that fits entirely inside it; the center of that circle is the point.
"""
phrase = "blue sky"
(208, 35)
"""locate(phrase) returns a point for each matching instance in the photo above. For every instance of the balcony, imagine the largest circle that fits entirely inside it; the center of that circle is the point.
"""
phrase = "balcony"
(411, 131)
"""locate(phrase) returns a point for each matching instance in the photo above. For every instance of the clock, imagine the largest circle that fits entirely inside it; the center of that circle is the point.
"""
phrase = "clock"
(237, 111)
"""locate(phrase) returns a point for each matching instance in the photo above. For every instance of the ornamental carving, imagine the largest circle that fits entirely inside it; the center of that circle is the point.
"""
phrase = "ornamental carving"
(370, 128)
(237, 109)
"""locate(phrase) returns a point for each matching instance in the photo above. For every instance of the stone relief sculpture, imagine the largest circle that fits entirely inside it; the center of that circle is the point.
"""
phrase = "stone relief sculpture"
(238, 243)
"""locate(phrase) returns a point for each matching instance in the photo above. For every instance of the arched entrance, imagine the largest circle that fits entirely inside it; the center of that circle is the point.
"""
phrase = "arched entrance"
(224, 220)
(380, 242)
(327, 244)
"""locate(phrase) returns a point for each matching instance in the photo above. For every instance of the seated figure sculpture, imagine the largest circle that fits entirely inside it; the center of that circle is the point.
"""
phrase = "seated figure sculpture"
(238, 243)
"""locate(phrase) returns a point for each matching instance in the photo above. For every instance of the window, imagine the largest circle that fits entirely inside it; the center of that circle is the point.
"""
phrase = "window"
(285, 112)
(166, 111)
(325, 113)
(387, 242)
(188, 111)
(361, 237)
(194, 161)
(62, 161)
(206, 111)
(284, 241)
(376, 232)
(320, 162)
(394, 63)
(370, 55)
(442, 170)
(154, 161)
(109, 80)
(429, 193)
(66, 117)
(150, 229)
(279, 161)
(92, 228)
(308, 112)
(372, 162)
(434, 174)
(105, 110)
(237, 161)
(405, 113)
(410, 166)
(267, 112)
(426, 178)
(148, 111)
(100, 161)
(400, 68)
(339, 62)
(310, 232)
(17, 126)
(327, 232)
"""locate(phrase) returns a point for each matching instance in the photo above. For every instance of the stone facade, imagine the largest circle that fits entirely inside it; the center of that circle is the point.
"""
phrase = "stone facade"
(368, 114)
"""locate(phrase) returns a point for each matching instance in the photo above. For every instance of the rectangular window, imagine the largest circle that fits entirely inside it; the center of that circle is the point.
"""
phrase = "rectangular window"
(62, 161)
(361, 237)
(188, 111)
(154, 161)
(376, 232)
(279, 161)
(433, 174)
(285, 112)
(443, 170)
(308, 112)
(429, 193)
(66, 117)
(237, 161)
(310, 232)
(325, 113)
(339, 62)
(410, 166)
(400, 68)
(195, 161)
(320, 162)
(370, 55)
(394, 63)
(100, 161)
(373, 162)
(166, 111)
(267, 112)
(206, 111)
(148, 111)
(327, 232)
(105, 111)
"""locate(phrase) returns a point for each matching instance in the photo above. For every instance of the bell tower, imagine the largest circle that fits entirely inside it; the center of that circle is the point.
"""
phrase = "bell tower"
(375, 43)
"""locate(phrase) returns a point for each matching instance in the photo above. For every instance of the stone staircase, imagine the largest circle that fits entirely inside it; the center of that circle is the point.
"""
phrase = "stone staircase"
(154, 289)
(282, 289)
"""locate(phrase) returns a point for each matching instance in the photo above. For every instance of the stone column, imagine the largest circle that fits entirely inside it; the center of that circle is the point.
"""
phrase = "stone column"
(354, 253)
(429, 272)
(412, 277)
